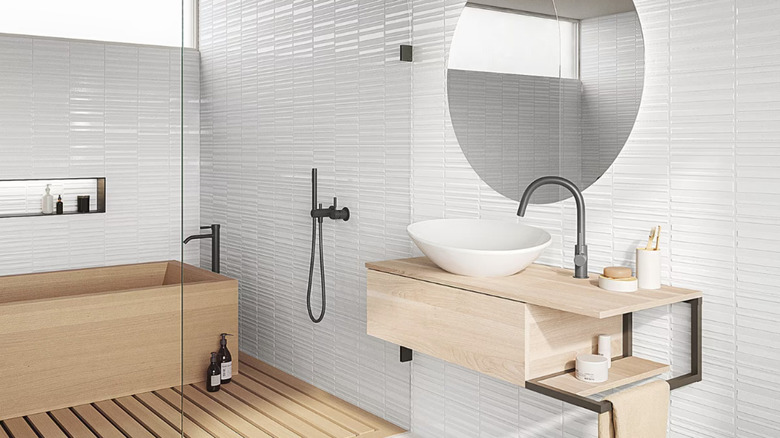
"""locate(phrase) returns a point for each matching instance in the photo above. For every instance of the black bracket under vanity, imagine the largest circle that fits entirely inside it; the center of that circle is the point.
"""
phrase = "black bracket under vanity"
(695, 375)
(99, 191)
(406, 354)
(406, 53)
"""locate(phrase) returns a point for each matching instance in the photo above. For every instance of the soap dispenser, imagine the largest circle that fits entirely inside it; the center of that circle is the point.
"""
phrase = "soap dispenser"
(225, 359)
(59, 204)
(47, 203)
(213, 375)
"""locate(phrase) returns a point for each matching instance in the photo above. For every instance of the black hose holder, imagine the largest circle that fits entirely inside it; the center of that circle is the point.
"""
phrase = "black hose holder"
(317, 215)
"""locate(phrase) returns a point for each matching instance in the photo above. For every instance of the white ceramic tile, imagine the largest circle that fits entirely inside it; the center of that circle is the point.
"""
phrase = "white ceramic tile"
(88, 109)
(287, 86)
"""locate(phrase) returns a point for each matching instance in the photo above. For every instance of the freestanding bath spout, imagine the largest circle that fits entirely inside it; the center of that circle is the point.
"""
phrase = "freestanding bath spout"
(581, 249)
(214, 236)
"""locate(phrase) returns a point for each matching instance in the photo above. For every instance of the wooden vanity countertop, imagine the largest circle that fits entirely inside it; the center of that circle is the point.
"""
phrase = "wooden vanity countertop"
(542, 285)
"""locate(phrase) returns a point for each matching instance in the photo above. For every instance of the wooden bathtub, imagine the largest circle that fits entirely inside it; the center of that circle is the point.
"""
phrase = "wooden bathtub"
(74, 337)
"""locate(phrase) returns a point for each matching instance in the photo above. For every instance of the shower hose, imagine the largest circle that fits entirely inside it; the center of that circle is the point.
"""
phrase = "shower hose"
(311, 271)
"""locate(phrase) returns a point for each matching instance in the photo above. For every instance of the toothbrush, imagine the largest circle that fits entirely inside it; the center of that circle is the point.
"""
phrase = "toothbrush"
(657, 238)
(650, 240)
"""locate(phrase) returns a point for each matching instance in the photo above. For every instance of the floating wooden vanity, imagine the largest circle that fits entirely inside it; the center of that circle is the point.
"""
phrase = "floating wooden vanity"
(526, 329)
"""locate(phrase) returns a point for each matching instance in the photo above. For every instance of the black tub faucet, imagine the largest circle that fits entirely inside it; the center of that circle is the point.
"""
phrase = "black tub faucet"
(214, 236)
(581, 249)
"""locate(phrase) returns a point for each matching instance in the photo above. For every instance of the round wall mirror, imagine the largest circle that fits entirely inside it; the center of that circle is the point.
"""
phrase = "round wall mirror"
(542, 87)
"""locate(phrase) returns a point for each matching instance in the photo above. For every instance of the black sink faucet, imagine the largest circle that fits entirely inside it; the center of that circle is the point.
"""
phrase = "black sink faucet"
(214, 236)
(581, 249)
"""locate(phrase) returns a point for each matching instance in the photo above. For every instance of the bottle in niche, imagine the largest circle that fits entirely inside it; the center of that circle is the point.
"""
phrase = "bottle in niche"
(225, 359)
(213, 375)
(59, 204)
(47, 203)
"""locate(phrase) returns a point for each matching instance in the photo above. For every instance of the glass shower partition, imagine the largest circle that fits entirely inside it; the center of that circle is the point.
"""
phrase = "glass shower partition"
(98, 134)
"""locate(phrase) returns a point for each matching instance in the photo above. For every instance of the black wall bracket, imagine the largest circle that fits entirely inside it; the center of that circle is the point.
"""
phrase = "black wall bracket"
(695, 375)
(407, 53)
(406, 354)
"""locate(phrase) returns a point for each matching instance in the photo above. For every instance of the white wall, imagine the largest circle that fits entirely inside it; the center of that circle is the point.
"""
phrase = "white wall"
(612, 73)
(73, 108)
(699, 162)
(288, 86)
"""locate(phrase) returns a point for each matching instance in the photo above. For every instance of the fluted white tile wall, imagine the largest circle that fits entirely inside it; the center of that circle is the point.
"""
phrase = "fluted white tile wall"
(288, 86)
(73, 108)
(612, 71)
(697, 162)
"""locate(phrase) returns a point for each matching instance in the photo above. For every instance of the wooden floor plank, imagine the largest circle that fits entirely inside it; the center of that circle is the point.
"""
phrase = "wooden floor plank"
(122, 419)
(172, 415)
(46, 426)
(293, 407)
(72, 424)
(248, 413)
(148, 418)
(260, 402)
(197, 415)
(363, 416)
(98, 422)
(297, 424)
(304, 399)
(19, 428)
(225, 415)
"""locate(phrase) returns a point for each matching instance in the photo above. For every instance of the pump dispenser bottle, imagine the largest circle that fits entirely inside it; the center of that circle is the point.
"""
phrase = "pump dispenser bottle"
(213, 375)
(59, 204)
(47, 203)
(225, 359)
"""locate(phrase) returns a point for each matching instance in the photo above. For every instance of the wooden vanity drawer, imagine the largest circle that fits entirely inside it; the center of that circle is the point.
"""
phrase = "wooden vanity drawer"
(477, 331)
(503, 338)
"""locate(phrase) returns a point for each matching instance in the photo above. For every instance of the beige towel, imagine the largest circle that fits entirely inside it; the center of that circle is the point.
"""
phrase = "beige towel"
(640, 412)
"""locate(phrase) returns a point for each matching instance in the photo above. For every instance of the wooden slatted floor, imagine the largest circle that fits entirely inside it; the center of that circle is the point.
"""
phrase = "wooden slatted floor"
(260, 402)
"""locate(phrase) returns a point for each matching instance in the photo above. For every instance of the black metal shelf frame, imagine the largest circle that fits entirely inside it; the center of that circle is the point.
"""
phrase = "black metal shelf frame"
(695, 375)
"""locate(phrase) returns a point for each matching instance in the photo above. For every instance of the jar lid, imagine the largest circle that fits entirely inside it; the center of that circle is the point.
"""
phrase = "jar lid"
(591, 359)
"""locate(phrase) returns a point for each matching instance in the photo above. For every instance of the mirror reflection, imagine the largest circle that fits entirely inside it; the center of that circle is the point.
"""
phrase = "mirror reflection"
(539, 88)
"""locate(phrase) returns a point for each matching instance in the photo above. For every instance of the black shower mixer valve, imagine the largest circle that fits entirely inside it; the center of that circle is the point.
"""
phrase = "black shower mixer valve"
(332, 212)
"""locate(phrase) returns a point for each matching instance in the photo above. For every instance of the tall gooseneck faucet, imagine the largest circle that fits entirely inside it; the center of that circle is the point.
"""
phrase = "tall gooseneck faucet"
(581, 249)
(215, 243)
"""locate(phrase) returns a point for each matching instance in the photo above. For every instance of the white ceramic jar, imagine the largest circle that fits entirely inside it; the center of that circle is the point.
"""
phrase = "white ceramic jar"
(591, 368)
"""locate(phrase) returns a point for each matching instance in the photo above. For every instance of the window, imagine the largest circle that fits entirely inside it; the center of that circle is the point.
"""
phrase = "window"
(497, 41)
(155, 22)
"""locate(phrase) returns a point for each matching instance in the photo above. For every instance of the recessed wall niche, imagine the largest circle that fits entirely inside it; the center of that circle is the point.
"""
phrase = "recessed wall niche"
(22, 197)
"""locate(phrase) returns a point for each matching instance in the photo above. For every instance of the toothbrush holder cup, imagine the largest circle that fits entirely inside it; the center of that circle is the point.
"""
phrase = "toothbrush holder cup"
(648, 268)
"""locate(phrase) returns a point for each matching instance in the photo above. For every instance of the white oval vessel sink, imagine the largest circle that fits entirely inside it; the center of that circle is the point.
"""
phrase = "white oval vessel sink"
(479, 248)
